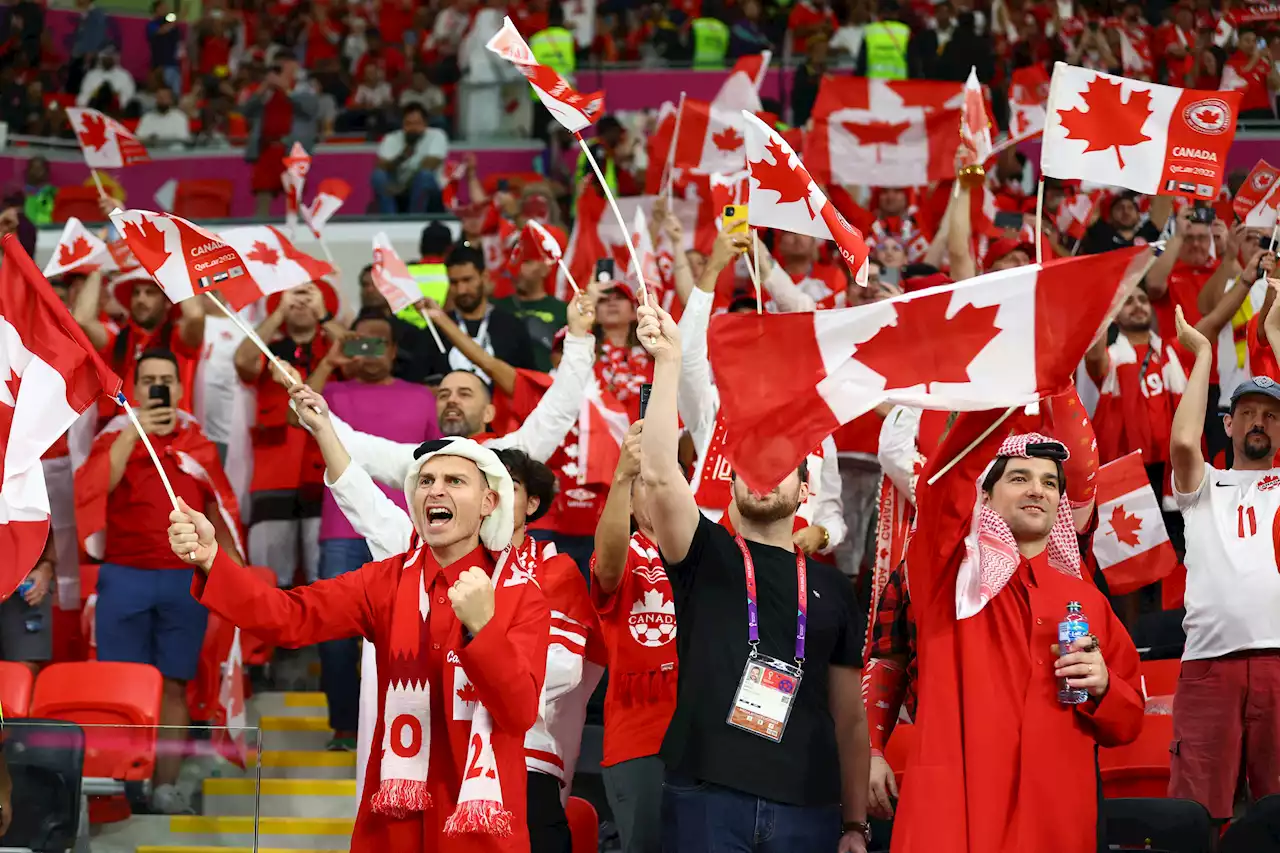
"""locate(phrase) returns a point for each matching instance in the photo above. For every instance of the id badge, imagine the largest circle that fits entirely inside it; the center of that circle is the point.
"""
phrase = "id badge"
(765, 696)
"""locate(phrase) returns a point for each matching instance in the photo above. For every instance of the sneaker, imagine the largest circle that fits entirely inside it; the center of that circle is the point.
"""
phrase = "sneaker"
(341, 744)
(168, 799)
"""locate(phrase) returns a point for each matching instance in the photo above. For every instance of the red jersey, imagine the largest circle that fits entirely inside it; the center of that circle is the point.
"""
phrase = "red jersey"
(286, 457)
(638, 620)
(1138, 395)
(388, 59)
(805, 14)
(1253, 82)
(1185, 284)
(1177, 68)
(621, 371)
(121, 355)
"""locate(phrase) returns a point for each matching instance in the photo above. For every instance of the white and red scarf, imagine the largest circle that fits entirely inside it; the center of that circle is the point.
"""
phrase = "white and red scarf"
(991, 553)
(406, 719)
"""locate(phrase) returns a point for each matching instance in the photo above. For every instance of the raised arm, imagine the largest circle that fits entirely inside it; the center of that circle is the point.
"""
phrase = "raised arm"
(670, 225)
(248, 359)
(86, 313)
(897, 452)
(385, 460)
(191, 326)
(959, 233)
(828, 510)
(613, 531)
(502, 374)
(1158, 275)
(1188, 421)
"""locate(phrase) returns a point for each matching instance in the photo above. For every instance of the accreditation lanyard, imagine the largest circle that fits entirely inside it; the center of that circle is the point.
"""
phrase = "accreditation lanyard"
(753, 608)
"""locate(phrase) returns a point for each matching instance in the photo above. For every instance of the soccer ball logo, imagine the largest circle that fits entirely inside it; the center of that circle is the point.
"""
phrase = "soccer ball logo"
(653, 619)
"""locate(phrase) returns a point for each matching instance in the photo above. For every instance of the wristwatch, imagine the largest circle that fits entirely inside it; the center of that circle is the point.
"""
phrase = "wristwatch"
(826, 537)
(859, 826)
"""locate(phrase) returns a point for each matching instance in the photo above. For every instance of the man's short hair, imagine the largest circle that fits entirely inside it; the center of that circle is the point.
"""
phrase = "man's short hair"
(465, 253)
(488, 389)
(372, 314)
(1002, 462)
(538, 480)
(435, 240)
(159, 353)
(413, 107)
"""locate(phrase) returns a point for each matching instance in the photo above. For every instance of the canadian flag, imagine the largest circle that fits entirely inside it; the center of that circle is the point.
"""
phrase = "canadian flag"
(232, 740)
(537, 241)
(1264, 213)
(1028, 92)
(1131, 545)
(710, 138)
(799, 206)
(273, 261)
(105, 142)
(1256, 186)
(185, 259)
(51, 376)
(573, 110)
(975, 127)
(330, 195)
(1073, 215)
(294, 177)
(884, 133)
(78, 250)
(455, 173)
(741, 89)
(1152, 139)
(643, 240)
(391, 276)
(1003, 339)
(602, 426)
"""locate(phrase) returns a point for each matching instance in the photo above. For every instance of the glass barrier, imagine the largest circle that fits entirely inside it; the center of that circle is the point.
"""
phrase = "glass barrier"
(101, 787)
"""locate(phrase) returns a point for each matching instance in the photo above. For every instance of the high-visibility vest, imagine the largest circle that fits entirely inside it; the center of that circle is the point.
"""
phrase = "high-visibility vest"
(610, 169)
(885, 43)
(710, 42)
(554, 48)
(430, 278)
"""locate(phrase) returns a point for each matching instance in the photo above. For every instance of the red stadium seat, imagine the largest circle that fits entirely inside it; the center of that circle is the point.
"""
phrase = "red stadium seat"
(1139, 769)
(103, 698)
(1161, 676)
(15, 689)
(208, 198)
(584, 825)
(80, 202)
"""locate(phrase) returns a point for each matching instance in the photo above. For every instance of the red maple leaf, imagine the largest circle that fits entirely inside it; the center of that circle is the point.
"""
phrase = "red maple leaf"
(93, 131)
(728, 139)
(263, 254)
(468, 693)
(146, 241)
(1125, 527)
(877, 133)
(77, 249)
(315, 269)
(924, 346)
(1209, 117)
(1111, 122)
(11, 384)
(791, 183)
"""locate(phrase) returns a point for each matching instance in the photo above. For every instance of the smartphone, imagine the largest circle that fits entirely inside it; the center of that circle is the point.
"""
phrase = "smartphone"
(645, 389)
(735, 215)
(891, 275)
(161, 393)
(1008, 219)
(605, 269)
(1203, 215)
(1264, 243)
(364, 347)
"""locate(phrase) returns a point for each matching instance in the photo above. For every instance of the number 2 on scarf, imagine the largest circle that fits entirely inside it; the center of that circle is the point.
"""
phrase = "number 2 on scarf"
(1243, 512)
(473, 768)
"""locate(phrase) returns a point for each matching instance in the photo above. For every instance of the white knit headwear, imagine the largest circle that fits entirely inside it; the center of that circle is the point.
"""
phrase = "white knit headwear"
(496, 529)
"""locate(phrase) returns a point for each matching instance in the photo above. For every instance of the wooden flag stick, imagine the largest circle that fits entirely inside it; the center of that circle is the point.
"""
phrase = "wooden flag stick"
(963, 453)
(146, 442)
(626, 229)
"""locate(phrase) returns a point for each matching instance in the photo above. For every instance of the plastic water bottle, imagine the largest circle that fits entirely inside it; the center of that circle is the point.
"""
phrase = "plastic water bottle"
(1073, 626)
(34, 619)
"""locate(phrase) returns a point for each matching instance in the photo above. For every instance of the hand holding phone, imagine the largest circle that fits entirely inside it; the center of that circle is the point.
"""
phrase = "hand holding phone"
(734, 218)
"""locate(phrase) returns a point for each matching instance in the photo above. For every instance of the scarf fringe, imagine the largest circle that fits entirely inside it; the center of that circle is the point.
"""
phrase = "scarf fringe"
(645, 688)
(398, 798)
(484, 817)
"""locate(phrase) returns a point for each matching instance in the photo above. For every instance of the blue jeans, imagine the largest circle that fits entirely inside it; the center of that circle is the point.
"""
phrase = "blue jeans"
(340, 659)
(423, 191)
(699, 817)
(173, 79)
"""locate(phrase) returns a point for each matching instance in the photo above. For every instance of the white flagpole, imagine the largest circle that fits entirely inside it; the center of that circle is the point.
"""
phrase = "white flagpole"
(133, 418)
(431, 327)
(564, 268)
(252, 335)
(1039, 216)
(963, 453)
(755, 265)
(97, 180)
(626, 229)
(671, 151)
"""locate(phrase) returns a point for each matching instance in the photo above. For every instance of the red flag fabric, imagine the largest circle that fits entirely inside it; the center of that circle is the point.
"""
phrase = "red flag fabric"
(975, 126)
(1131, 544)
(574, 111)
(78, 250)
(1008, 338)
(1028, 92)
(51, 375)
(272, 260)
(294, 177)
(711, 138)
(884, 133)
(1254, 189)
(105, 142)
(784, 196)
(391, 276)
(330, 195)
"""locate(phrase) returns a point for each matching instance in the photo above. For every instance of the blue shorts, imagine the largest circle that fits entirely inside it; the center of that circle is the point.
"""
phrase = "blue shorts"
(148, 616)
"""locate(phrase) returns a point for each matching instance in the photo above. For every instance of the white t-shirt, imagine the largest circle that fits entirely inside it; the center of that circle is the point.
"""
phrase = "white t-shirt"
(434, 143)
(169, 127)
(1233, 583)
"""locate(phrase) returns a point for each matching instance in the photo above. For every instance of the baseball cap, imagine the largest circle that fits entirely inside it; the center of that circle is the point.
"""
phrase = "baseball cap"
(623, 288)
(1264, 385)
(1006, 246)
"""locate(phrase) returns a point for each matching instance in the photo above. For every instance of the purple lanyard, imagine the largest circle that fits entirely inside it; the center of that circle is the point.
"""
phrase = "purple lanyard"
(753, 609)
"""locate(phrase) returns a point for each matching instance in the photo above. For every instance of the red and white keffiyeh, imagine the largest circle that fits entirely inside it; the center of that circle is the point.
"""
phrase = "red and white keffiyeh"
(991, 553)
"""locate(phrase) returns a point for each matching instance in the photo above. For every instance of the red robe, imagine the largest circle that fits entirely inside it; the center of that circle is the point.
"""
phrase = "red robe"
(505, 661)
(1001, 765)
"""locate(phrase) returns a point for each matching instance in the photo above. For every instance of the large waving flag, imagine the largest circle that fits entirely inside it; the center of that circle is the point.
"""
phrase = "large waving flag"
(784, 196)
(1131, 545)
(573, 110)
(272, 259)
(1007, 338)
(1158, 140)
(105, 142)
(51, 376)
(185, 259)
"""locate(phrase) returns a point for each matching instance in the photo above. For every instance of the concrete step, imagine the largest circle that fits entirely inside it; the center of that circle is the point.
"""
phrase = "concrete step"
(306, 764)
(327, 798)
(289, 704)
(156, 833)
(281, 732)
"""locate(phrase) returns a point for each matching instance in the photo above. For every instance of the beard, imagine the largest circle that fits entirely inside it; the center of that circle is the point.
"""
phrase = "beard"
(767, 509)
(1257, 446)
(457, 428)
(1134, 325)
